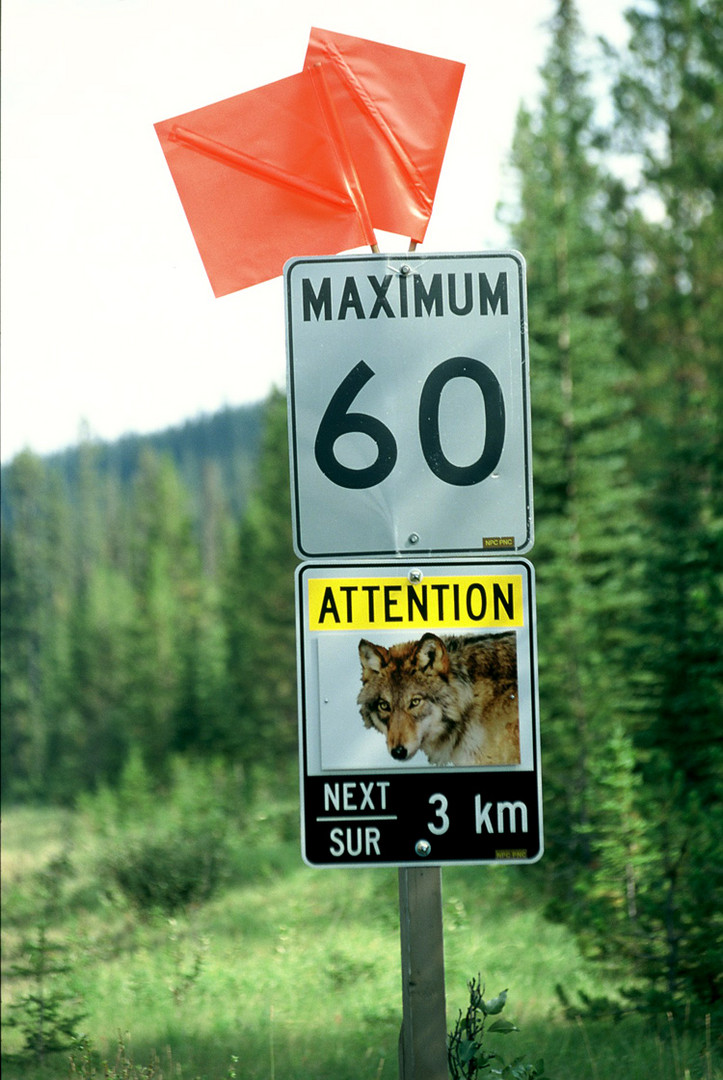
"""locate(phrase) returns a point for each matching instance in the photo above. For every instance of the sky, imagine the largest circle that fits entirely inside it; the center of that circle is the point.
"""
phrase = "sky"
(109, 322)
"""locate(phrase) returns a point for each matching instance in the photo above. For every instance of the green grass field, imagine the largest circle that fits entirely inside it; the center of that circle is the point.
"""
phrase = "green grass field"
(289, 973)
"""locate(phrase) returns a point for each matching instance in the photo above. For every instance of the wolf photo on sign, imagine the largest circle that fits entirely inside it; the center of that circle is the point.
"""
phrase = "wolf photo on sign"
(453, 698)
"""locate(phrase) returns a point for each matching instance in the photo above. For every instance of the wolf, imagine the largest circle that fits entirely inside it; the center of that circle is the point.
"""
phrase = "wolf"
(453, 697)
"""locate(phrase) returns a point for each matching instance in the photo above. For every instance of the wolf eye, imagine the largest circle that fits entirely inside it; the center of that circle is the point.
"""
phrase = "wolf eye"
(414, 702)
(382, 705)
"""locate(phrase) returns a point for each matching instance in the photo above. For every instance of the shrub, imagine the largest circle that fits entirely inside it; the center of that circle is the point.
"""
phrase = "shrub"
(170, 871)
(47, 1015)
(467, 1052)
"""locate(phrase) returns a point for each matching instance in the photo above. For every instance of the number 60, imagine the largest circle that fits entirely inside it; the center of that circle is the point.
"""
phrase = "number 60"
(338, 421)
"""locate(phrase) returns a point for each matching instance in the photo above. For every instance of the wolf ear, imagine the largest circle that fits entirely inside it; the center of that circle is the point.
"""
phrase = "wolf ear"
(431, 655)
(373, 657)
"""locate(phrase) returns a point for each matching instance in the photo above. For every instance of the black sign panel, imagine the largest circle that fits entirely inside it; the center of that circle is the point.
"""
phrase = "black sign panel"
(445, 817)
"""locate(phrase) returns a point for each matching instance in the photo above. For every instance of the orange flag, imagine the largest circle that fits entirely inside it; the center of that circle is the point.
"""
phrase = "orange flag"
(311, 164)
(261, 179)
(396, 108)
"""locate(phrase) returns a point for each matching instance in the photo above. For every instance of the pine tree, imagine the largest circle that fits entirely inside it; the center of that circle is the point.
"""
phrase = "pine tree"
(36, 579)
(48, 1014)
(260, 611)
(586, 547)
(670, 99)
(166, 578)
(98, 723)
(670, 107)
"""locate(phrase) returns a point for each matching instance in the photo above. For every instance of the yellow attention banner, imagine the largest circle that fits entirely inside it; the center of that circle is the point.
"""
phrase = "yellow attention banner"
(493, 600)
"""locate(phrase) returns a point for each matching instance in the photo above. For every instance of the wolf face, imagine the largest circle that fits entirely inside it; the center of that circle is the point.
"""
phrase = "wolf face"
(453, 698)
(404, 691)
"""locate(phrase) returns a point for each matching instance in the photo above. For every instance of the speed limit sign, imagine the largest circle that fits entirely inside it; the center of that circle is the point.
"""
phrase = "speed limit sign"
(409, 424)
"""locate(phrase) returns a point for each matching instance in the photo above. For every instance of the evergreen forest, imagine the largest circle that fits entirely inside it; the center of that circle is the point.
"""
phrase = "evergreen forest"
(145, 584)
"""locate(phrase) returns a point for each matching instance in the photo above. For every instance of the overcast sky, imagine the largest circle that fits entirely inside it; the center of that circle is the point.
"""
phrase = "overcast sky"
(109, 321)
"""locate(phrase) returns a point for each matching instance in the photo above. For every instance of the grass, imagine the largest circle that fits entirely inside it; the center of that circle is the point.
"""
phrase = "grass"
(296, 973)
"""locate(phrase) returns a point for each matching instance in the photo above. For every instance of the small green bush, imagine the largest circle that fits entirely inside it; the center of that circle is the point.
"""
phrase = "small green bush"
(170, 871)
(467, 1052)
(47, 1014)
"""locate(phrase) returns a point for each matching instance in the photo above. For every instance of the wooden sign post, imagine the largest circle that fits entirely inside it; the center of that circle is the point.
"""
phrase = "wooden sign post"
(423, 1038)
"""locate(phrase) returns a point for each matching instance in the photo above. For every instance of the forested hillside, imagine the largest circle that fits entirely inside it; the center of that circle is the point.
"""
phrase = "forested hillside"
(115, 558)
(223, 446)
(148, 589)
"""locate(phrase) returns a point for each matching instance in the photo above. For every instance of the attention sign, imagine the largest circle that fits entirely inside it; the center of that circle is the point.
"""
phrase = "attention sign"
(409, 404)
(418, 713)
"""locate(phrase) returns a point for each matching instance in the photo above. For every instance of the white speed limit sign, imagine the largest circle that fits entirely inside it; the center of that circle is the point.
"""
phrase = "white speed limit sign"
(409, 422)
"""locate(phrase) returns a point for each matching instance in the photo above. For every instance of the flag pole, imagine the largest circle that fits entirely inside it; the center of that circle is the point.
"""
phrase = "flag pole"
(254, 166)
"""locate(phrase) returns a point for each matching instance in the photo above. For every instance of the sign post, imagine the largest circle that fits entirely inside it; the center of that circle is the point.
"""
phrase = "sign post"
(423, 1038)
